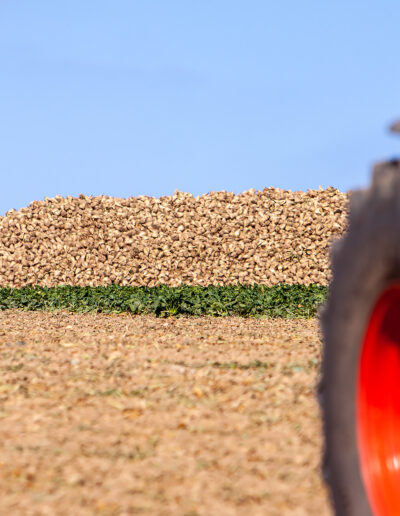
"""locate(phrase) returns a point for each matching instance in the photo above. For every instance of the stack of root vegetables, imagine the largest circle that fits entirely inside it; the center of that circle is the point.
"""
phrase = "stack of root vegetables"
(266, 237)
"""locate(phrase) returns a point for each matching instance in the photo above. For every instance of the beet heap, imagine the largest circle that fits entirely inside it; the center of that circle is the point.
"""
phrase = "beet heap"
(266, 237)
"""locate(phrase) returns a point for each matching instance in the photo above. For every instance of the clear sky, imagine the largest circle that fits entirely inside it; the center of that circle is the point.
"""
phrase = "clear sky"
(128, 97)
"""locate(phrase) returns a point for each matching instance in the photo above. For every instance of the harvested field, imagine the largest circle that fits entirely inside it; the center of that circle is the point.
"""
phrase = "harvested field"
(265, 237)
(118, 415)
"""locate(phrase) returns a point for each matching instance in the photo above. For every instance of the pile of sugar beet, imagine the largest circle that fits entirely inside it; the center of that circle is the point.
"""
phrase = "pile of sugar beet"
(266, 237)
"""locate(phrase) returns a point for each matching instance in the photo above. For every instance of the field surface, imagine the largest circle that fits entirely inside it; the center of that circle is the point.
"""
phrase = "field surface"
(122, 414)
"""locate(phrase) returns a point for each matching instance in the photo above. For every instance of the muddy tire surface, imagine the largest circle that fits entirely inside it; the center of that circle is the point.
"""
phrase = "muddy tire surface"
(120, 415)
(364, 263)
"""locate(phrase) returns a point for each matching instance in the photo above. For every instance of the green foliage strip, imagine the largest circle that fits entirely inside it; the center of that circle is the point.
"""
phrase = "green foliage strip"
(288, 301)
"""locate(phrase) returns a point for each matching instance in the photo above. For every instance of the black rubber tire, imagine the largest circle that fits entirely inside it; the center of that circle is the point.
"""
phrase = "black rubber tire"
(364, 262)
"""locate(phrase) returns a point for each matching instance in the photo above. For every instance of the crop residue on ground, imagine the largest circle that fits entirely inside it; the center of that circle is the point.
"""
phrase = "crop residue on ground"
(115, 415)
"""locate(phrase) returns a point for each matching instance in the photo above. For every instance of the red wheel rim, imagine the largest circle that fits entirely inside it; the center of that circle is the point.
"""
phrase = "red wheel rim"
(378, 405)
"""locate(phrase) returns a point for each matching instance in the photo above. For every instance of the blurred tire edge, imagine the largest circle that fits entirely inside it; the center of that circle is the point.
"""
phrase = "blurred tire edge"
(365, 263)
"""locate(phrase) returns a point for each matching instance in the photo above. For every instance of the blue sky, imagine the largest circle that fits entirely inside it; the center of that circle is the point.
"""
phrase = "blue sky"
(127, 98)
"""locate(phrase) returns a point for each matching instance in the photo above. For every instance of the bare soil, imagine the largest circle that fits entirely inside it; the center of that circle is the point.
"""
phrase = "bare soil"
(119, 415)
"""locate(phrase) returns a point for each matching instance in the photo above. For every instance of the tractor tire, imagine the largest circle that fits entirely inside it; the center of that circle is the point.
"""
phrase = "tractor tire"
(359, 389)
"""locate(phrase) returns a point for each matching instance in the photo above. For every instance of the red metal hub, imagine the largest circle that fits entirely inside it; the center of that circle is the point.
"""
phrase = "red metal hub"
(378, 405)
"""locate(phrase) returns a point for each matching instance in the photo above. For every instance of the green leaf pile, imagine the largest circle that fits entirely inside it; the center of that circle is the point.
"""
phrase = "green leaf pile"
(285, 301)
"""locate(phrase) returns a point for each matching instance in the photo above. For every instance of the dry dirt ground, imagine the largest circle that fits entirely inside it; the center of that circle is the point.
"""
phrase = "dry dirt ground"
(120, 415)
